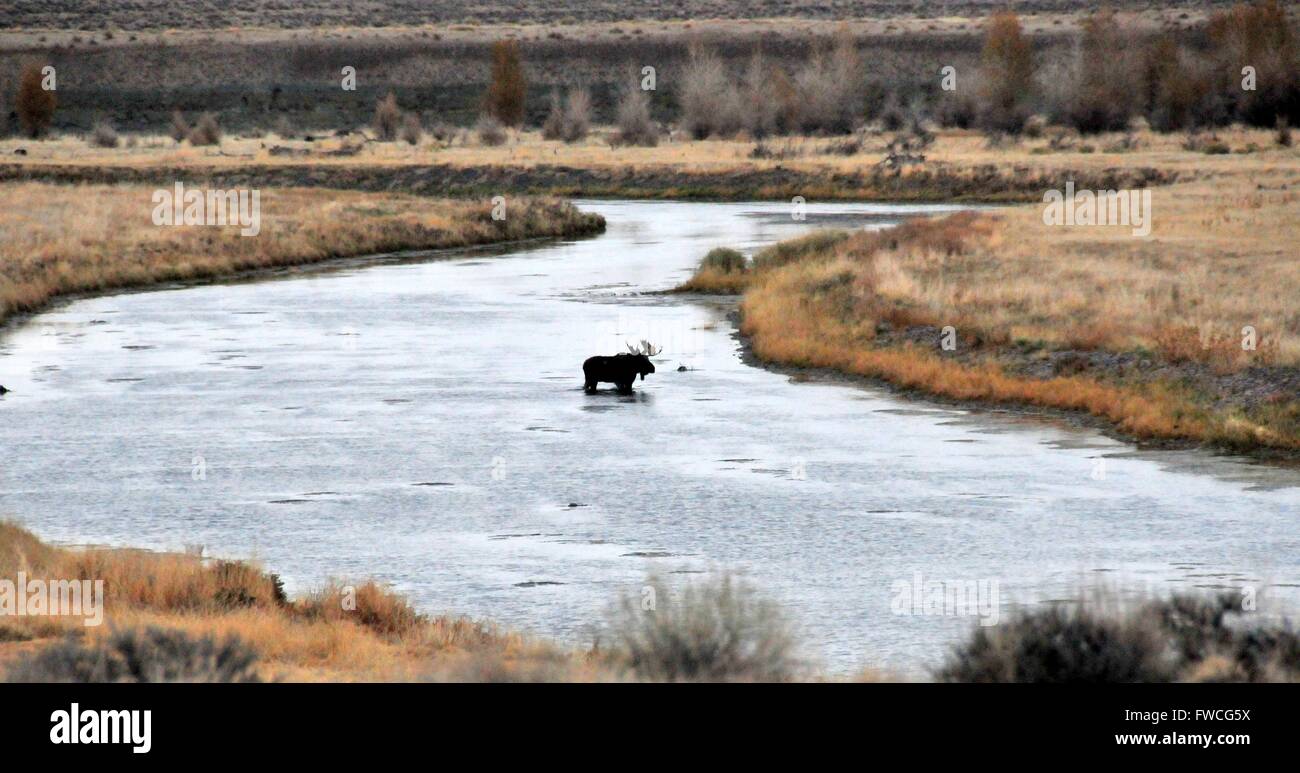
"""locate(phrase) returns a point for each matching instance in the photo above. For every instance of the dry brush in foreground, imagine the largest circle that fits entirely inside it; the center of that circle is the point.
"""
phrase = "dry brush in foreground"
(178, 617)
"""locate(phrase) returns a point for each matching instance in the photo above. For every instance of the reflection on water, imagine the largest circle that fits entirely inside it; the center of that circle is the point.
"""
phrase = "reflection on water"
(424, 422)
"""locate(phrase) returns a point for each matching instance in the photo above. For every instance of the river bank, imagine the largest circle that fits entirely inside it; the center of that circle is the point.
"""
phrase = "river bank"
(1187, 337)
(68, 240)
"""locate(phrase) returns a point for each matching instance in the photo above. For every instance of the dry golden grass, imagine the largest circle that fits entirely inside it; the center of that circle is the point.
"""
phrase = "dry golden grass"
(58, 240)
(1218, 259)
(955, 151)
(317, 638)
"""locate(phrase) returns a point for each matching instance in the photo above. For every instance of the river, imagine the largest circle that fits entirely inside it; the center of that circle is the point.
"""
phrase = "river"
(420, 419)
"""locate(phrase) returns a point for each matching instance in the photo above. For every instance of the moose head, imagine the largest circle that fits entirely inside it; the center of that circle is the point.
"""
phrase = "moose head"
(642, 352)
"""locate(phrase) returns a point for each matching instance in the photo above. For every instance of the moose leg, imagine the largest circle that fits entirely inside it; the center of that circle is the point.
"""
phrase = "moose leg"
(590, 387)
(625, 387)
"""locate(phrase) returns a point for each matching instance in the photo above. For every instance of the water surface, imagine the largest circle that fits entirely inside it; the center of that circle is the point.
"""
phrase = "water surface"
(424, 423)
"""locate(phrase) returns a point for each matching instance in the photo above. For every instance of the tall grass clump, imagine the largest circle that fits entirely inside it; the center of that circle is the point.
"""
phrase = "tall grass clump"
(507, 88)
(1184, 638)
(704, 82)
(104, 135)
(368, 604)
(150, 654)
(490, 131)
(412, 131)
(569, 119)
(722, 270)
(714, 631)
(206, 131)
(33, 103)
(387, 118)
(632, 119)
(798, 248)
(180, 128)
(831, 89)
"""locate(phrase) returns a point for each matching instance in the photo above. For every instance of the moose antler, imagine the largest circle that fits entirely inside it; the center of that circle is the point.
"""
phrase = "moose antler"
(646, 348)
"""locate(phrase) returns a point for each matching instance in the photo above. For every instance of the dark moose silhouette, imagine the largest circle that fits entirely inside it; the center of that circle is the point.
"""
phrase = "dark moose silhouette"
(621, 369)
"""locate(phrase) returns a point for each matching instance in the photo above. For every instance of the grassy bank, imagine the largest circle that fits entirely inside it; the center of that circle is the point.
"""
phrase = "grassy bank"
(1145, 334)
(59, 240)
(375, 635)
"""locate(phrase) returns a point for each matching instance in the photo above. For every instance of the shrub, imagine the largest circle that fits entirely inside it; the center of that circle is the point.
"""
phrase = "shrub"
(633, 121)
(369, 605)
(387, 118)
(1184, 638)
(703, 83)
(490, 131)
(724, 259)
(553, 126)
(180, 128)
(715, 631)
(892, 116)
(284, 128)
(443, 132)
(759, 105)
(104, 135)
(831, 90)
(569, 120)
(148, 655)
(791, 250)
(1007, 75)
(1060, 645)
(1283, 132)
(206, 131)
(960, 108)
(577, 115)
(1035, 126)
(412, 131)
(1099, 93)
(34, 105)
(507, 90)
(1260, 35)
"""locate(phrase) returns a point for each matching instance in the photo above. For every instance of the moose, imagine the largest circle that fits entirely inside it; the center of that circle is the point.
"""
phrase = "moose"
(621, 369)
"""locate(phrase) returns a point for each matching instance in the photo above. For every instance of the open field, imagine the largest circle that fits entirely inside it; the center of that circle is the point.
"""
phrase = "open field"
(961, 165)
(60, 240)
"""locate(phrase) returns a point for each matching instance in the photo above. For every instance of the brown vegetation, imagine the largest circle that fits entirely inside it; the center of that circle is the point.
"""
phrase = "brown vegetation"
(34, 103)
(206, 131)
(341, 632)
(1148, 334)
(171, 617)
(507, 90)
(388, 116)
(58, 240)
